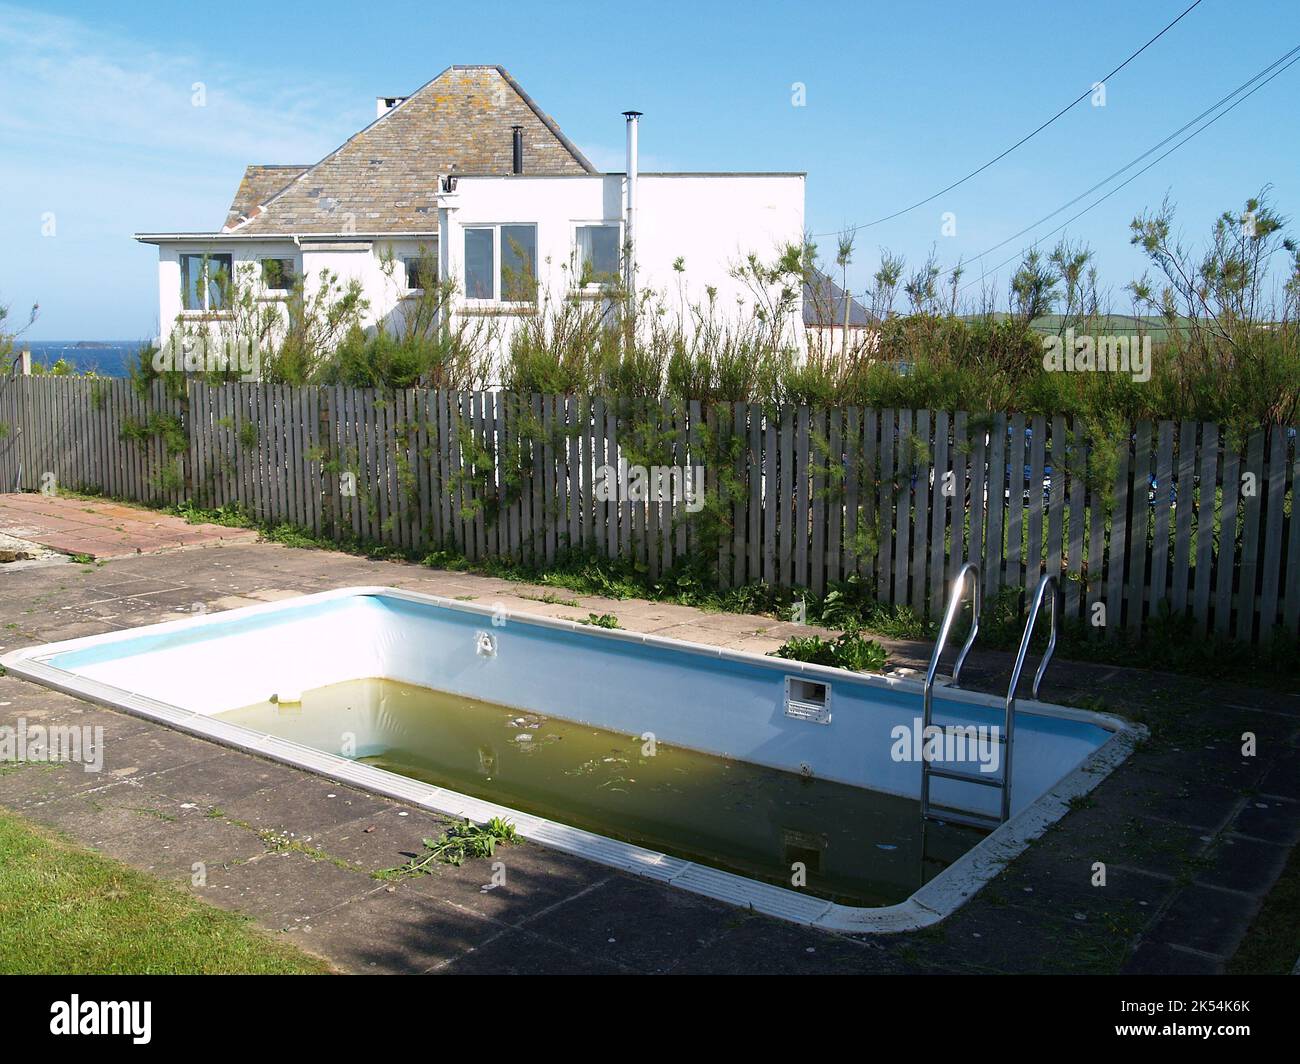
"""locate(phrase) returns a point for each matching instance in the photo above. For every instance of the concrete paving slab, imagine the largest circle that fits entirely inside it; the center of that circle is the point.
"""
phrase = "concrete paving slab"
(555, 913)
(1273, 819)
(520, 883)
(519, 953)
(1244, 864)
(302, 807)
(173, 840)
(636, 924)
(284, 890)
(1206, 919)
(219, 779)
(395, 931)
(759, 946)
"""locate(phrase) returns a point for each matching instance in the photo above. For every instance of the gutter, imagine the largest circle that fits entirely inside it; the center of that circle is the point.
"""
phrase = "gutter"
(271, 238)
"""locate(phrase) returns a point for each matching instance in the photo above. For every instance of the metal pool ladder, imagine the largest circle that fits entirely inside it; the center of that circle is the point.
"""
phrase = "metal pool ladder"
(1002, 780)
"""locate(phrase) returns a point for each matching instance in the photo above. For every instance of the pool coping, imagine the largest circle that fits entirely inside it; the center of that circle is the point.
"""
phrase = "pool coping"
(932, 902)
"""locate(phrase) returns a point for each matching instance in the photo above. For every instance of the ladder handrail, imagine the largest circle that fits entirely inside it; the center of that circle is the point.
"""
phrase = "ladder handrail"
(950, 615)
(1055, 617)
(1009, 716)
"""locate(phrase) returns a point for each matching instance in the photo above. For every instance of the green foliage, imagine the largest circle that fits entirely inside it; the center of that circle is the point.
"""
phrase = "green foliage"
(166, 427)
(456, 845)
(847, 651)
(601, 620)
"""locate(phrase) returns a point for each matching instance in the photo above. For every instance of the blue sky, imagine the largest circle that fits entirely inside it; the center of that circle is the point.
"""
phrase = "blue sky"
(98, 135)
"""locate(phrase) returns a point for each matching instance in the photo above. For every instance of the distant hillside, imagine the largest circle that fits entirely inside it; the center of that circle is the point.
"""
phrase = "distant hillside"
(1125, 324)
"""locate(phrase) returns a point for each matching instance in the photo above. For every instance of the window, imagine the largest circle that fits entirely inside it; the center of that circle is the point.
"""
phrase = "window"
(598, 254)
(518, 263)
(478, 263)
(514, 248)
(278, 275)
(204, 280)
(415, 279)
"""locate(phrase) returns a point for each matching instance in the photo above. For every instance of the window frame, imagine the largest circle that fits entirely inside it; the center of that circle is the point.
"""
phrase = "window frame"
(206, 258)
(597, 286)
(410, 266)
(496, 300)
(294, 273)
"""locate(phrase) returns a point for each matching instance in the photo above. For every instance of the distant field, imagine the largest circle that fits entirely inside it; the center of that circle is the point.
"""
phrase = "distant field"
(1126, 324)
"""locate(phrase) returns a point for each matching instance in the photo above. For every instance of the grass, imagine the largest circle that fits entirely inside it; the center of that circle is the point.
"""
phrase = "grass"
(68, 910)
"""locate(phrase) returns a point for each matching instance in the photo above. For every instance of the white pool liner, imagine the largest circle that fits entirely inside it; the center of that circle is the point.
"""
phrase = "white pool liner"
(344, 652)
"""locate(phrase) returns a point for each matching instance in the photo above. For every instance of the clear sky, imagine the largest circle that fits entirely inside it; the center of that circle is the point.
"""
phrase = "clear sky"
(99, 137)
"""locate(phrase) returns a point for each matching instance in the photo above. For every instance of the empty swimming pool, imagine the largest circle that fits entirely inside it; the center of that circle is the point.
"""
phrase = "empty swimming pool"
(789, 788)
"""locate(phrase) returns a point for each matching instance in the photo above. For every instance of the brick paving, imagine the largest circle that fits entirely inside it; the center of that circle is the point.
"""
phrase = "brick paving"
(104, 529)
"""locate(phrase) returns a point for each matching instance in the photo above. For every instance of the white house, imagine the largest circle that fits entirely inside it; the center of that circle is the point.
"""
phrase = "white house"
(468, 171)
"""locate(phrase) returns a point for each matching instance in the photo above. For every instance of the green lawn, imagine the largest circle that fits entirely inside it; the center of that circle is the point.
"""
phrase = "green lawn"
(65, 909)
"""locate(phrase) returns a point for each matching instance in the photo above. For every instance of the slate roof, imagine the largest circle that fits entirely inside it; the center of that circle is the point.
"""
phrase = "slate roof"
(823, 303)
(384, 178)
(260, 183)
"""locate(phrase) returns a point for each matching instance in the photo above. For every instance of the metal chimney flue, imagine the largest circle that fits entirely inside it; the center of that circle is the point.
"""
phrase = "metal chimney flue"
(629, 224)
(517, 159)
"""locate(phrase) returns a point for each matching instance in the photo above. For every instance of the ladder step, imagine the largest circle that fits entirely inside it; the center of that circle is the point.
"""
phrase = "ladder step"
(968, 777)
(958, 816)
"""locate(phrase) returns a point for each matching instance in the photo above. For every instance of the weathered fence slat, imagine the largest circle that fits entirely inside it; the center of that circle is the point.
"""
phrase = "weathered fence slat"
(1185, 520)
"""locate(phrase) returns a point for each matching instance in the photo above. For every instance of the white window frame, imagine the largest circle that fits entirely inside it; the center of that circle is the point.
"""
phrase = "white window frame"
(207, 309)
(277, 293)
(496, 227)
(416, 256)
(605, 223)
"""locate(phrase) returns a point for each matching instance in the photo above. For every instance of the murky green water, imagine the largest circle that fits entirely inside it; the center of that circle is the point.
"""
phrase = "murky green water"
(857, 846)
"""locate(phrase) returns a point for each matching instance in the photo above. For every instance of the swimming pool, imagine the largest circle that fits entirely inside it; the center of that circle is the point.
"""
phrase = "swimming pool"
(716, 771)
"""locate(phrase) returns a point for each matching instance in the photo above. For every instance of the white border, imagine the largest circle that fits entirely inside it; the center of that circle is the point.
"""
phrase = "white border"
(938, 898)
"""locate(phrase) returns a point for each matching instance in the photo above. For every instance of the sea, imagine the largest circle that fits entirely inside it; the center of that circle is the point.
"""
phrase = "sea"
(108, 358)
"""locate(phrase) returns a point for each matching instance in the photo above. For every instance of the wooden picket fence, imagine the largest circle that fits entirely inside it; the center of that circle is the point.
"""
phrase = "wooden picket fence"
(1185, 518)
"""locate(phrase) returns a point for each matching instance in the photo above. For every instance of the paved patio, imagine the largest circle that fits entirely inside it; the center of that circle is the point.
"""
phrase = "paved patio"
(103, 529)
(1193, 834)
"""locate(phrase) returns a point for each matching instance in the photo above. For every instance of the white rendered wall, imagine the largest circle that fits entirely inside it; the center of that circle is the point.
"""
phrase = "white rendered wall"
(709, 222)
(363, 260)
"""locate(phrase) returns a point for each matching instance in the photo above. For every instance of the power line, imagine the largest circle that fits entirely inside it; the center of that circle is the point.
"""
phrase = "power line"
(1154, 148)
(1102, 199)
(1027, 137)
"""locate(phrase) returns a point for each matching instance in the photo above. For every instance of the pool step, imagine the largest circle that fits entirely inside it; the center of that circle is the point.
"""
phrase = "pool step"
(970, 819)
(967, 777)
